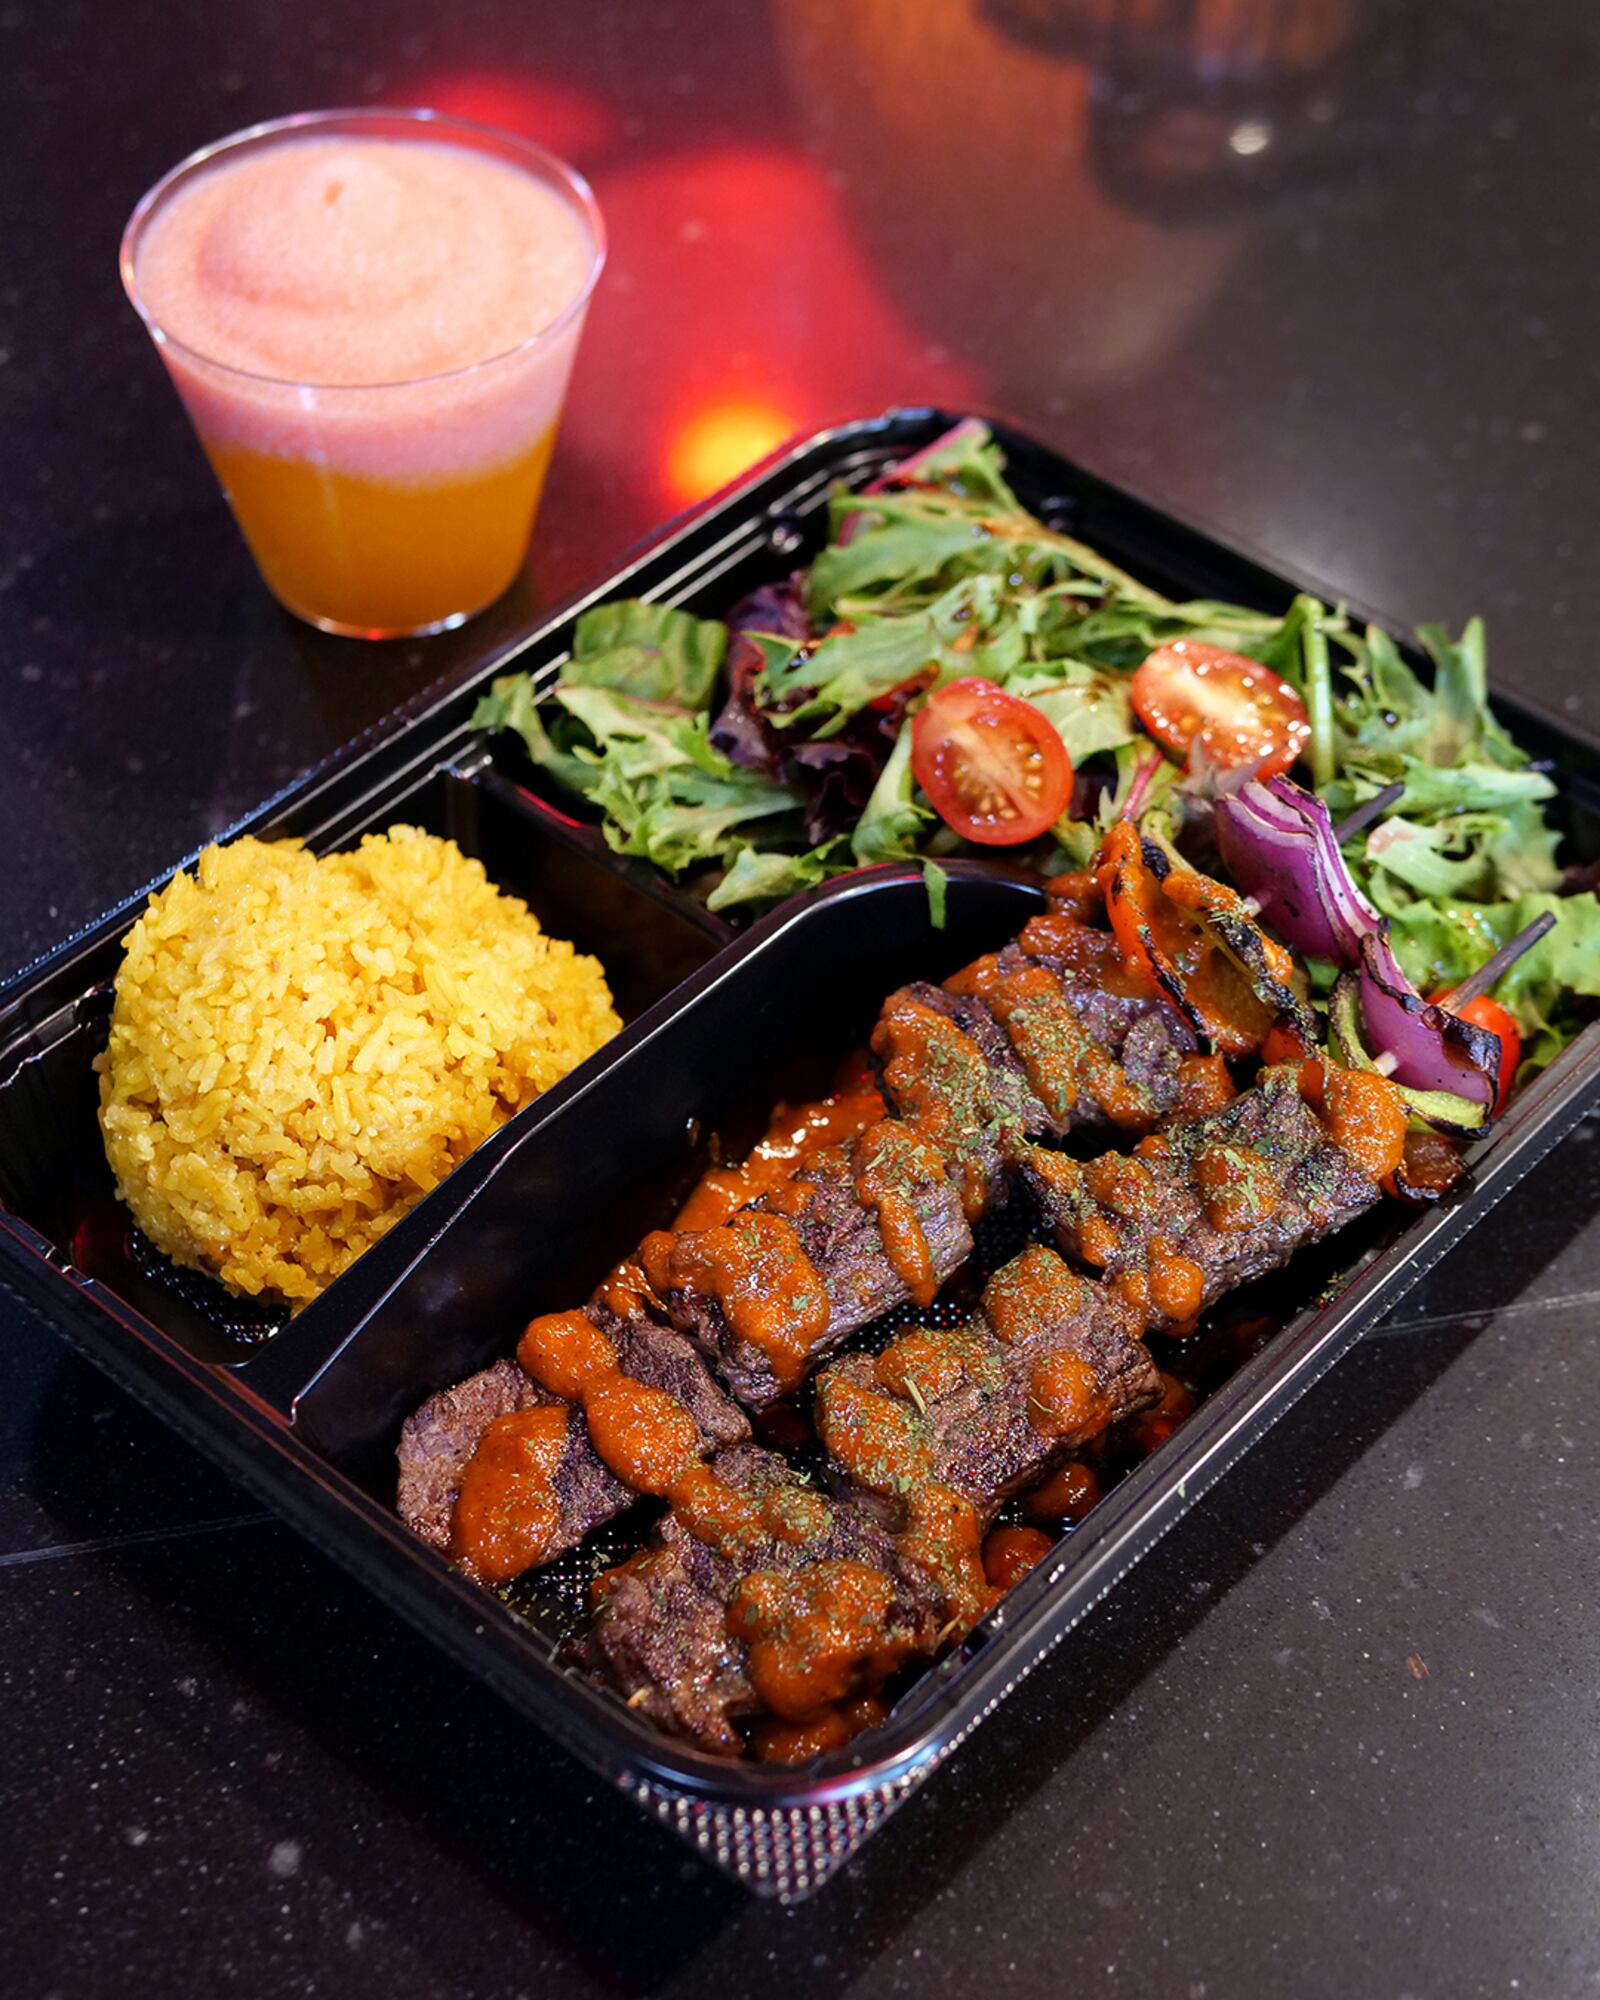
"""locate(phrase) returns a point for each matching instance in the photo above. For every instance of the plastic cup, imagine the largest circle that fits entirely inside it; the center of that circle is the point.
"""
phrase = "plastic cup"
(382, 508)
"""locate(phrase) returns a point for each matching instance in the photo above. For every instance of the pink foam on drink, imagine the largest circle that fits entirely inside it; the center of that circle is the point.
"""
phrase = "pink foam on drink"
(301, 280)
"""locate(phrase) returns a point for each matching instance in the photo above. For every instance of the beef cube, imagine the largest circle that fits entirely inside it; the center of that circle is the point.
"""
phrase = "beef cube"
(764, 1615)
(988, 1409)
(438, 1441)
(1021, 1042)
(1205, 1205)
(659, 1355)
(785, 1280)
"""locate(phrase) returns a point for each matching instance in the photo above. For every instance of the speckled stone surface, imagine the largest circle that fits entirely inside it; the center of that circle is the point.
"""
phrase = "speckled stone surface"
(1339, 1733)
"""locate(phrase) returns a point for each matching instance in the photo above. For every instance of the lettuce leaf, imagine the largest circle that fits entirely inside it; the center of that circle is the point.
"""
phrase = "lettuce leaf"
(512, 704)
(651, 652)
(764, 876)
(1480, 855)
(664, 790)
(892, 823)
(1088, 707)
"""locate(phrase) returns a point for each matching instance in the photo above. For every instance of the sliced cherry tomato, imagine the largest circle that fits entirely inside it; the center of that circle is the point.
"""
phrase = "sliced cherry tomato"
(993, 766)
(1237, 710)
(1486, 1013)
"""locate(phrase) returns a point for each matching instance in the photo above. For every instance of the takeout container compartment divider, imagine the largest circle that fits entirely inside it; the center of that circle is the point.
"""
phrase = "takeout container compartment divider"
(722, 1018)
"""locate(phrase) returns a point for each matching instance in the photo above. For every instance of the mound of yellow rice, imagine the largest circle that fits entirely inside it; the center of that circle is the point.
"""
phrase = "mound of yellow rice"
(301, 1048)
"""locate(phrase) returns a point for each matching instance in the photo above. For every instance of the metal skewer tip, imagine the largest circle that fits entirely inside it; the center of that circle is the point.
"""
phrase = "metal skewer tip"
(1493, 969)
(1363, 816)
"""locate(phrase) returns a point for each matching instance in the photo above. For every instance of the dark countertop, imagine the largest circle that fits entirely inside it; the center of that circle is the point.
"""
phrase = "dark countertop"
(1339, 1734)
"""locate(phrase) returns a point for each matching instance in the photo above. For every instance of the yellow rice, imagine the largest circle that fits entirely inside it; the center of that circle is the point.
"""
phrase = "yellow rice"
(301, 1049)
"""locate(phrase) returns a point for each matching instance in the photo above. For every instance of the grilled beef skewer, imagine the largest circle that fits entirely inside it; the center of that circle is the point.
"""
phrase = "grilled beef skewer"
(789, 1601)
(818, 1598)
(502, 1474)
(1045, 1036)
(1214, 1200)
(932, 1435)
(1051, 1032)
(991, 1408)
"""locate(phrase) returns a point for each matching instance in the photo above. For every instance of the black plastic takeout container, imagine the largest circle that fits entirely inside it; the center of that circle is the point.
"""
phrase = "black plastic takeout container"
(720, 1024)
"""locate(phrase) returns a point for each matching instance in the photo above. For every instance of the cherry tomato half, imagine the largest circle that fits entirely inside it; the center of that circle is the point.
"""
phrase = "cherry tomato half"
(1501, 1023)
(994, 767)
(1237, 710)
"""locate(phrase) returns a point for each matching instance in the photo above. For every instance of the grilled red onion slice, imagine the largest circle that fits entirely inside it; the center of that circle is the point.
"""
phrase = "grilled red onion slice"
(1433, 1048)
(1278, 843)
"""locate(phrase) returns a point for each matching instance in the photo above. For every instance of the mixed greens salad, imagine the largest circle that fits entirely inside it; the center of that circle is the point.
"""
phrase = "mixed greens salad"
(952, 676)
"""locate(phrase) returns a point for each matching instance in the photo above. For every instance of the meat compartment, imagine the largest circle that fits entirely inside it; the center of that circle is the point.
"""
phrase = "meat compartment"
(771, 1020)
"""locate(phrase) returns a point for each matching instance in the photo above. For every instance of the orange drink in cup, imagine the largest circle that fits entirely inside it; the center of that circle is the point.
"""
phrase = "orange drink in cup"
(371, 317)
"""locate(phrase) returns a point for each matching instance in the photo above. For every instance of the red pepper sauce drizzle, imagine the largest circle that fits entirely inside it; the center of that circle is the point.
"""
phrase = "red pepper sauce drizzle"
(1063, 1062)
(755, 1267)
(795, 1135)
(891, 1161)
(939, 1080)
(793, 1138)
(506, 1513)
(813, 1636)
(777, 1742)
(878, 1433)
(1026, 1301)
(650, 1441)
(1362, 1113)
(816, 1635)
(885, 1445)
(1009, 1554)
(1067, 1495)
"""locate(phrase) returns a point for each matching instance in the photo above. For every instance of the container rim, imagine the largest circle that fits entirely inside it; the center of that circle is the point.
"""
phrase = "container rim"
(375, 121)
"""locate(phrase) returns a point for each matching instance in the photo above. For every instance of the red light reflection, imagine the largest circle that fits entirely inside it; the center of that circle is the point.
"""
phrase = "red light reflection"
(714, 444)
(737, 311)
(560, 116)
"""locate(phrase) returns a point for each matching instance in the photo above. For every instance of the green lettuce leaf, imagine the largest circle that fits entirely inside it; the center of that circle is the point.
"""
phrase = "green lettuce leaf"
(764, 876)
(512, 704)
(937, 884)
(972, 628)
(664, 791)
(667, 793)
(892, 822)
(1087, 706)
(651, 652)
